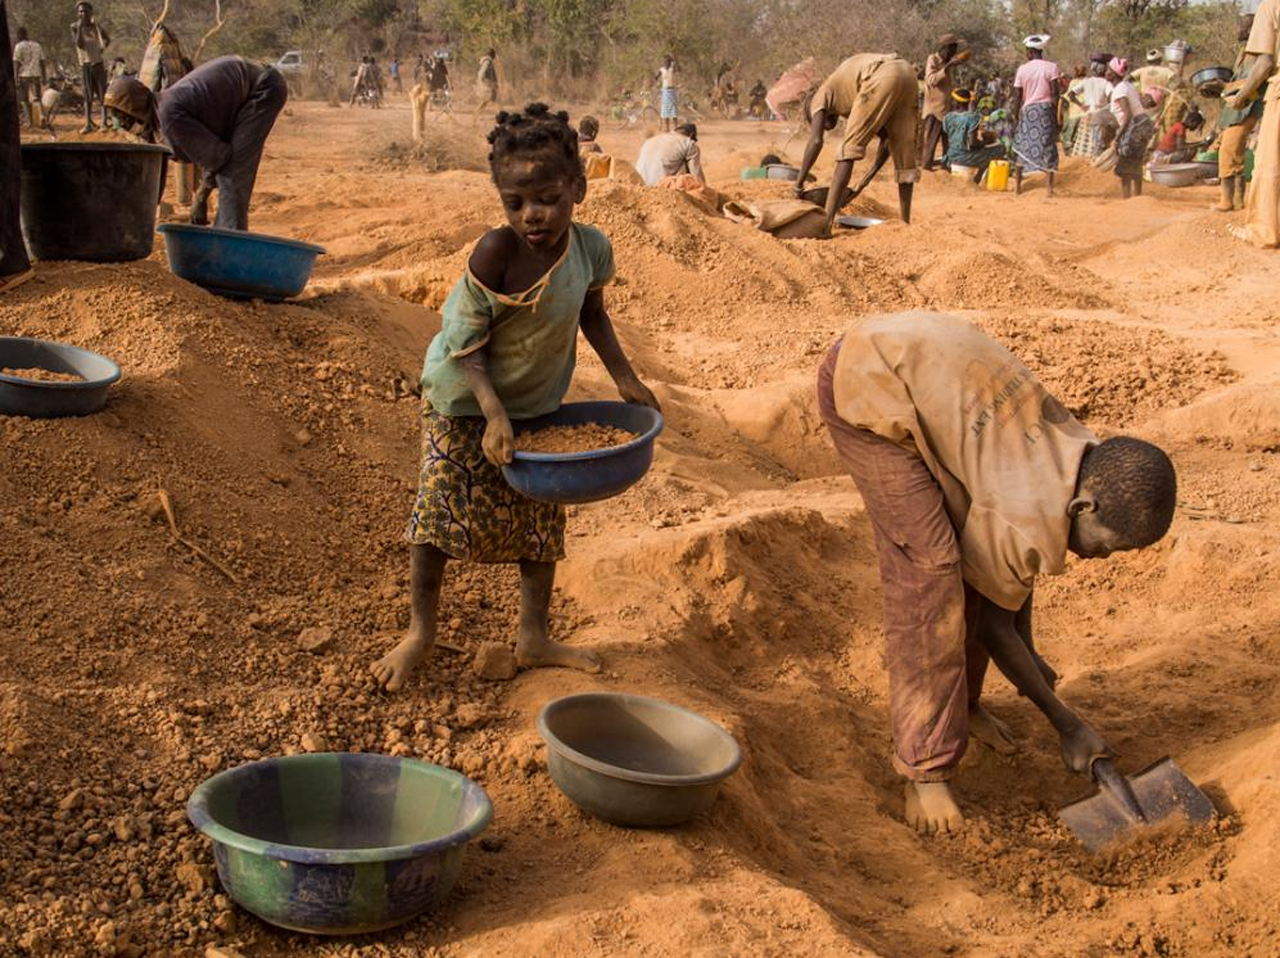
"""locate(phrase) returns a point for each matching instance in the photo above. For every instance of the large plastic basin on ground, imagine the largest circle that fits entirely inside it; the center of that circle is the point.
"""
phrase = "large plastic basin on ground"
(91, 201)
(46, 400)
(239, 264)
(339, 843)
(586, 476)
(635, 761)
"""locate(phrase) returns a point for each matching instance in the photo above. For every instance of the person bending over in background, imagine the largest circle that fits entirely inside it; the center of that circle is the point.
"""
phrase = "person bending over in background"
(877, 95)
(507, 351)
(975, 480)
(1173, 146)
(218, 117)
(15, 267)
(670, 154)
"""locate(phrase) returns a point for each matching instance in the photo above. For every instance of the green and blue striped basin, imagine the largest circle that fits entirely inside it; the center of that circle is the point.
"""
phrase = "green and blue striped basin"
(339, 843)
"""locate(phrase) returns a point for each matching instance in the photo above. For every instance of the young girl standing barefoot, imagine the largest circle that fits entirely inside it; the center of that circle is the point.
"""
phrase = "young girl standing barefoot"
(507, 351)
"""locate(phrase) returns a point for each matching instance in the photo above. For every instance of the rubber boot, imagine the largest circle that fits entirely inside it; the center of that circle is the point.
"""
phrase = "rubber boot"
(1241, 186)
(1225, 204)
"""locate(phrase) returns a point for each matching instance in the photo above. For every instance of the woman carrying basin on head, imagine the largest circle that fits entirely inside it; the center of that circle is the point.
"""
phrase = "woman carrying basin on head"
(218, 117)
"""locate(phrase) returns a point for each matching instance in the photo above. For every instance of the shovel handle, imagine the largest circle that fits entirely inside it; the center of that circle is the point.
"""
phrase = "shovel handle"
(1110, 780)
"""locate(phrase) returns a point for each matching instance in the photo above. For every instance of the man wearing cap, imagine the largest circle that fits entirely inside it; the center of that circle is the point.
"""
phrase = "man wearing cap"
(876, 93)
(1035, 114)
(1262, 210)
(937, 91)
(218, 117)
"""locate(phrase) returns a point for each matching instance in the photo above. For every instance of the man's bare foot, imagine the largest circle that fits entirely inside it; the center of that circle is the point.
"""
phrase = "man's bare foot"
(394, 668)
(533, 652)
(931, 808)
(990, 731)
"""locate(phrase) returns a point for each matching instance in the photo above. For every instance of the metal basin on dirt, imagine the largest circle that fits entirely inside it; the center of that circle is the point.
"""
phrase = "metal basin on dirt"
(46, 400)
(239, 264)
(339, 843)
(91, 201)
(1179, 174)
(632, 760)
(858, 222)
(568, 477)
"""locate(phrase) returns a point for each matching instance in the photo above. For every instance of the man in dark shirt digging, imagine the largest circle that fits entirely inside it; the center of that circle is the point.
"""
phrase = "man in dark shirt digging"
(218, 117)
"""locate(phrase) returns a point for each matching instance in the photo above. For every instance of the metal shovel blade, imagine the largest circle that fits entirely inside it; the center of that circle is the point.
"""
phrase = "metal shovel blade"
(1123, 804)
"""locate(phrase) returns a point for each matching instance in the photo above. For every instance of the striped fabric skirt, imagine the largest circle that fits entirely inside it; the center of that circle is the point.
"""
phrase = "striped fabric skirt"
(1131, 146)
(670, 103)
(1035, 143)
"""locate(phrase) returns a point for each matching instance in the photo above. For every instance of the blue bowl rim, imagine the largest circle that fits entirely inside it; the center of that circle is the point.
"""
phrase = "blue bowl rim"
(189, 229)
(626, 774)
(38, 384)
(646, 437)
(198, 813)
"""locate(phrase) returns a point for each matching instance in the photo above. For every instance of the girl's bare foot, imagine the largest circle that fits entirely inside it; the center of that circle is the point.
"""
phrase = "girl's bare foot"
(990, 731)
(537, 651)
(394, 668)
(931, 808)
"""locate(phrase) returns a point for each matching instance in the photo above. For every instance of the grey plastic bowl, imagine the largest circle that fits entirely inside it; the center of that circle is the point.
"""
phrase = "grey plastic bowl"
(42, 400)
(635, 761)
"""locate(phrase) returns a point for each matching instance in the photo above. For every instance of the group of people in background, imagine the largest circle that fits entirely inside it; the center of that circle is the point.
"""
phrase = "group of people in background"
(1123, 119)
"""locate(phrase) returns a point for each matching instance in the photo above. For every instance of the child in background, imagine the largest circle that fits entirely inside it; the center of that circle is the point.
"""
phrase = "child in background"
(588, 132)
(507, 351)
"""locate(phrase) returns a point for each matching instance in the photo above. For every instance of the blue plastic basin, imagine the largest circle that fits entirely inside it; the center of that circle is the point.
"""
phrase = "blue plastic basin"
(47, 400)
(586, 476)
(238, 264)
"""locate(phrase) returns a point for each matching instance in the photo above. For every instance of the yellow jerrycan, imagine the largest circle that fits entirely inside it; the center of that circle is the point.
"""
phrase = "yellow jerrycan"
(998, 176)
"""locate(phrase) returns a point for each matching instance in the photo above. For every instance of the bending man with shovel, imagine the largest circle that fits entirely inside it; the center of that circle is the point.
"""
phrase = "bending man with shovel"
(976, 480)
(218, 117)
(877, 95)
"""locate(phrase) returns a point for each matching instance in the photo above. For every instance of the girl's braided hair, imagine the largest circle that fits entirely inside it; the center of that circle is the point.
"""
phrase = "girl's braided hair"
(535, 130)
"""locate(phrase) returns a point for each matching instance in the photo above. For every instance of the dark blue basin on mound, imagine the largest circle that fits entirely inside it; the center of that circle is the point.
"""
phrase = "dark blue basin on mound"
(586, 476)
(42, 400)
(238, 264)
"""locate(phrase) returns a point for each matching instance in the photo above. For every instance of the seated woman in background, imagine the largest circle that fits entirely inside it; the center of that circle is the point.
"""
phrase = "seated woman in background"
(968, 143)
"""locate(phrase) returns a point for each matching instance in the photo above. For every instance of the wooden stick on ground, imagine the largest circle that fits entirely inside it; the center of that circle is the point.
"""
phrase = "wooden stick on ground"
(167, 505)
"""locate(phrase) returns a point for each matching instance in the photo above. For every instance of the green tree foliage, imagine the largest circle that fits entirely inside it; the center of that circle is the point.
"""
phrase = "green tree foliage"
(580, 47)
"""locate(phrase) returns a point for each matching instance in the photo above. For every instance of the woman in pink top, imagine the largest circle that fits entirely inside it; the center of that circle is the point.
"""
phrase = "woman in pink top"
(1135, 128)
(1035, 111)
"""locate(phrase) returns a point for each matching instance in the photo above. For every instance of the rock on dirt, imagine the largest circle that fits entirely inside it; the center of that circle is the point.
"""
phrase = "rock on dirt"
(495, 661)
(313, 742)
(315, 639)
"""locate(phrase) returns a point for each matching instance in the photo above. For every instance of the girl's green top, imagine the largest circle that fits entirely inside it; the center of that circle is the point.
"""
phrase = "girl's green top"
(531, 338)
